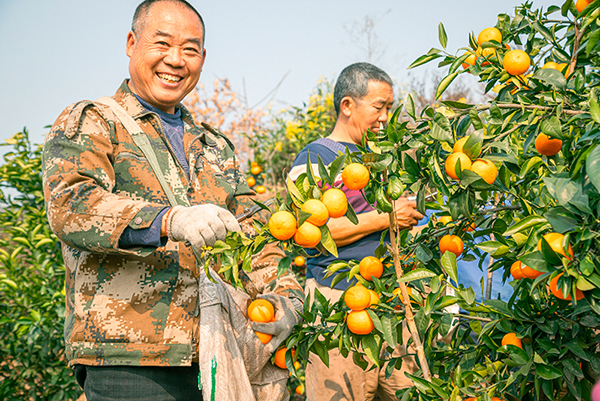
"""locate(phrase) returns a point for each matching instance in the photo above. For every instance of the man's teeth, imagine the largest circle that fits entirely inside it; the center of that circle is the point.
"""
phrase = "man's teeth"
(169, 78)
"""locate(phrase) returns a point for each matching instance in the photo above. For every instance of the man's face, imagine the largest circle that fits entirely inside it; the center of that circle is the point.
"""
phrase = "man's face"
(167, 56)
(371, 110)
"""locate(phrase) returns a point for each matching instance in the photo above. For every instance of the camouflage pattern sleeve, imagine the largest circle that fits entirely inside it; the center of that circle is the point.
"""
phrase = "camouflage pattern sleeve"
(79, 179)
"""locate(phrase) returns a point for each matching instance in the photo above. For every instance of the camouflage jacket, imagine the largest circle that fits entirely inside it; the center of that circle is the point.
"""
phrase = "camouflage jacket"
(134, 306)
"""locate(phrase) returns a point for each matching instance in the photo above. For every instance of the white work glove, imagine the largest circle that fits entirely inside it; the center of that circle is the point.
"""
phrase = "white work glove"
(200, 225)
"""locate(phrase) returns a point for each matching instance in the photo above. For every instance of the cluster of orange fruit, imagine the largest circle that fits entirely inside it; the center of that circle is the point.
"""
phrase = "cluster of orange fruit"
(255, 170)
(520, 271)
(486, 169)
(283, 225)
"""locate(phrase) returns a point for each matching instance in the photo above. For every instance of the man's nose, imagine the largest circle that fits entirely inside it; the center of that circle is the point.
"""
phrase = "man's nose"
(173, 57)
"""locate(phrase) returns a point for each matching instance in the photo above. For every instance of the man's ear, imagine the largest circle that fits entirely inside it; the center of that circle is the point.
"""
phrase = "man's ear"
(131, 39)
(347, 106)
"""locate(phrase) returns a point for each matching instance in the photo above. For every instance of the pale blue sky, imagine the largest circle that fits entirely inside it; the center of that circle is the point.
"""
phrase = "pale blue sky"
(55, 52)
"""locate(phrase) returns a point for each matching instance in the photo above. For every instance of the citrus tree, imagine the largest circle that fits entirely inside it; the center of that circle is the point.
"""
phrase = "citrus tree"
(524, 169)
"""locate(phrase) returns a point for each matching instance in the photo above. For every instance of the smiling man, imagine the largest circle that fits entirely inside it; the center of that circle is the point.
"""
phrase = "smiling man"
(363, 96)
(134, 190)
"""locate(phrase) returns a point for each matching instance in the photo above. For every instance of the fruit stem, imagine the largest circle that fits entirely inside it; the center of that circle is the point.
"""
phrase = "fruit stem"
(418, 345)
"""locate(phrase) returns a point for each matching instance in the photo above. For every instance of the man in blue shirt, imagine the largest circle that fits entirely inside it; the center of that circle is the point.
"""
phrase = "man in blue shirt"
(363, 97)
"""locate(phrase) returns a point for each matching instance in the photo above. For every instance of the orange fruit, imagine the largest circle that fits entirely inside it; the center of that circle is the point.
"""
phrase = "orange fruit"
(445, 219)
(486, 169)
(374, 298)
(550, 64)
(296, 365)
(280, 357)
(336, 202)
(261, 189)
(451, 243)
(555, 241)
(547, 146)
(256, 170)
(261, 310)
(359, 322)
(471, 60)
(489, 34)
(308, 235)
(318, 211)
(355, 176)
(253, 164)
(263, 337)
(458, 146)
(511, 338)
(357, 297)
(299, 389)
(452, 160)
(250, 181)
(557, 292)
(282, 225)
(562, 67)
(299, 261)
(581, 4)
(515, 270)
(516, 62)
(528, 271)
(370, 267)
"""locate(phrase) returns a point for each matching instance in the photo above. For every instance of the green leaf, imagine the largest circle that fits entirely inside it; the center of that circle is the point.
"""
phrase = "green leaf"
(535, 260)
(410, 106)
(424, 59)
(442, 35)
(551, 77)
(423, 253)
(327, 240)
(371, 348)
(444, 84)
(336, 167)
(524, 224)
(561, 219)
(552, 127)
(388, 332)
(441, 129)
(544, 31)
(592, 167)
(457, 105)
(547, 372)
(449, 264)
(323, 172)
(416, 274)
(494, 248)
(377, 162)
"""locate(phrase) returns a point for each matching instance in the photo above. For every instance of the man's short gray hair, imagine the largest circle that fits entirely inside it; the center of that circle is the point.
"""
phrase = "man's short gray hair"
(143, 9)
(354, 80)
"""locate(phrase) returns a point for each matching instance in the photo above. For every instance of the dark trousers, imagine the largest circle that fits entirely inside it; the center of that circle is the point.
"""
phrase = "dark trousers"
(139, 383)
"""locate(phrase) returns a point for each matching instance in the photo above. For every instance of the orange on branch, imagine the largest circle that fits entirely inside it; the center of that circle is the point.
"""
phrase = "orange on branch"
(489, 34)
(355, 176)
(486, 169)
(261, 189)
(528, 271)
(451, 243)
(452, 161)
(511, 338)
(469, 61)
(250, 181)
(459, 145)
(374, 298)
(581, 4)
(444, 219)
(357, 297)
(282, 225)
(555, 241)
(359, 322)
(547, 146)
(398, 293)
(515, 270)
(336, 202)
(299, 389)
(261, 310)
(550, 65)
(516, 62)
(307, 235)
(299, 261)
(280, 357)
(318, 211)
(370, 267)
(557, 292)
(256, 170)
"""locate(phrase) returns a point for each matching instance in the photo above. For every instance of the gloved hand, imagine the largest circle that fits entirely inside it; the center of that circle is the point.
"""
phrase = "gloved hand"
(286, 317)
(200, 225)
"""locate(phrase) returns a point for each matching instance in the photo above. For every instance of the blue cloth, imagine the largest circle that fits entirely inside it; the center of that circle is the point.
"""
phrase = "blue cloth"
(315, 266)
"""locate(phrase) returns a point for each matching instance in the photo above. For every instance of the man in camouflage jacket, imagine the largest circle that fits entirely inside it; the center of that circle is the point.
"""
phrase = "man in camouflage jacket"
(132, 283)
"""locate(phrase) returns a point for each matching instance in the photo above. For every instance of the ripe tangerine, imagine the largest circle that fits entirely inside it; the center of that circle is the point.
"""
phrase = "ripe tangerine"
(486, 169)
(299, 261)
(555, 241)
(547, 146)
(370, 267)
(451, 243)
(282, 225)
(488, 34)
(308, 235)
(318, 211)
(336, 202)
(357, 297)
(452, 160)
(280, 357)
(261, 189)
(557, 292)
(516, 62)
(511, 338)
(359, 322)
(261, 310)
(515, 270)
(355, 176)
(256, 170)
(250, 181)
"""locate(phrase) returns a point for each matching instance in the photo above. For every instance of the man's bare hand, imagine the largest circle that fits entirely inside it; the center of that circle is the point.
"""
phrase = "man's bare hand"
(407, 214)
